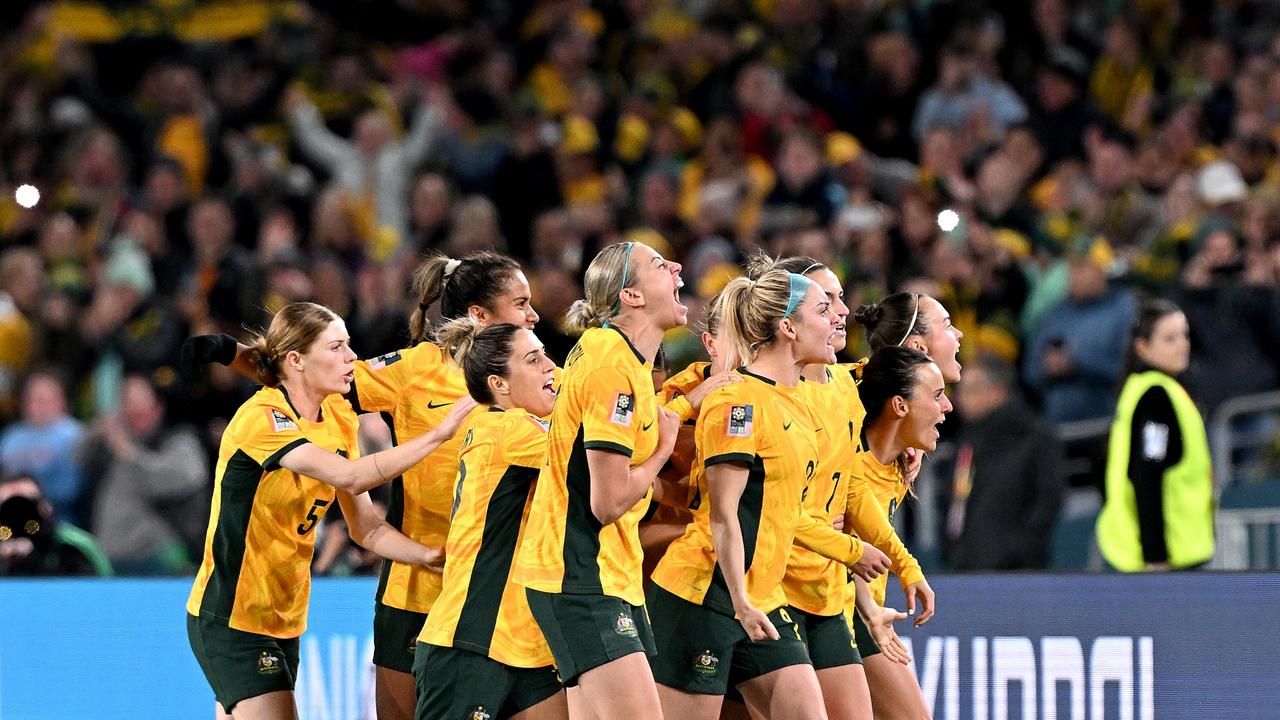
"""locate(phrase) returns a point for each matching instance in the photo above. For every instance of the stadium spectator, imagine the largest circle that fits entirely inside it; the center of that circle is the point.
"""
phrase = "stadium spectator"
(1074, 360)
(1006, 479)
(373, 167)
(40, 444)
(152, 485)
(34, 541)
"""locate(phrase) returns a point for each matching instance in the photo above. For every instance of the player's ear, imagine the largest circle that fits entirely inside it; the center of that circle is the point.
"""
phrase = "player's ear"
(499, 386)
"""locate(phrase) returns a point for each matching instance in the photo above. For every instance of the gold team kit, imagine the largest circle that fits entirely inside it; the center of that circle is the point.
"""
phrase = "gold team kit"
(255, 575)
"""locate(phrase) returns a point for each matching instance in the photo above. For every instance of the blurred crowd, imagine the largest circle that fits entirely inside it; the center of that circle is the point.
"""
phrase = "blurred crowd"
(1037, 166)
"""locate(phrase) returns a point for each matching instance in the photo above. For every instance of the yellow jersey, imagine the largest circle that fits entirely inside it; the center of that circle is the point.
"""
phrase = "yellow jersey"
(681, 384)
(255, 574)
(606, 402)
(814, 583)
(885, 490)
(770, 429)
(415, 389)
(480, 608)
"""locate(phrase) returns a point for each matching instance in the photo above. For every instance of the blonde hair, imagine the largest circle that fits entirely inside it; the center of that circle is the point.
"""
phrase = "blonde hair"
(604, 280)
(751, 311)
(293, 328)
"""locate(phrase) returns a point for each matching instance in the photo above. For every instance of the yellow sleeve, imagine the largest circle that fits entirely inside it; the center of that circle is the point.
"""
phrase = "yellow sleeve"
(680, 406)
(866, 517)
(268, 434)
(380, 381)
(525, 443)
(815, 535)
(609, 411)
(726, 432)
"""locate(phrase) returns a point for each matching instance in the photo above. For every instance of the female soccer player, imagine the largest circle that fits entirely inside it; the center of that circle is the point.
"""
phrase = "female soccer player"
(480, 653)
(920, 322)
(683, 394)
(282, 456)
(415, 388)
(757, 451)
(581, 557)
(816, 586)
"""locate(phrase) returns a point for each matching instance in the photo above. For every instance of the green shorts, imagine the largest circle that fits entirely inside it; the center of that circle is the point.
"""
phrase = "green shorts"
(828, 638)
(454, 684)
(587, 631)
(241, 665)
(395, 637)
(704, 651)
(862, 636)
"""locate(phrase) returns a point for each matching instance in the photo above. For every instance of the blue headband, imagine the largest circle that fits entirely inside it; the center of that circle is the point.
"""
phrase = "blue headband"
(799, 288)
(626, 267)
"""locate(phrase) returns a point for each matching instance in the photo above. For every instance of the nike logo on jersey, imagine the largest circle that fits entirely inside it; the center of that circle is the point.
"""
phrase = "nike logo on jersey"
(786, 426)
(646, 427)
(434, 405)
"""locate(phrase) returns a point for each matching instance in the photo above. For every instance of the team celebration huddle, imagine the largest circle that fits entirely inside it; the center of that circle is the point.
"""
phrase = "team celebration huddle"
(595, 540)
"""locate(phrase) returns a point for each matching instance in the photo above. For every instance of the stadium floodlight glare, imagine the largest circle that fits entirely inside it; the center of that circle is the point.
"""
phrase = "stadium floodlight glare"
(27, 196)
(948, 220)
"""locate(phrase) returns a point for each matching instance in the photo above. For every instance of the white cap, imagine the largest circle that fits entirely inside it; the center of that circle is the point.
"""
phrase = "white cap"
(1220, 182)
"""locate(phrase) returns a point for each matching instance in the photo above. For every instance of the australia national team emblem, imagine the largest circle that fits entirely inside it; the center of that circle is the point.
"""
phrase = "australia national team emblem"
(268, 664)
(740, 421)
(479, 714)
(706, 663)
(280, 421)
(625, 626)
(623, 407)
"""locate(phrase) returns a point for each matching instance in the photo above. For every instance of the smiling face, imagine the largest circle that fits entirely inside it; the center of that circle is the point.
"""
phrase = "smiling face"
(1169, 348)
(328, 364)
(656, 288)
(513, 305)
(924, 410)
(830, 284)
(813, 325)
(530, 379)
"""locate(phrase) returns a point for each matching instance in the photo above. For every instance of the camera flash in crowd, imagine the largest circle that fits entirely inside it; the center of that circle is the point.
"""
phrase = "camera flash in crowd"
(948, 220)
(27, 196)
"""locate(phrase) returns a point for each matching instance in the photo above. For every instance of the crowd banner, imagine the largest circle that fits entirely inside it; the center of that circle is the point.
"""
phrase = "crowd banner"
(1030, 647)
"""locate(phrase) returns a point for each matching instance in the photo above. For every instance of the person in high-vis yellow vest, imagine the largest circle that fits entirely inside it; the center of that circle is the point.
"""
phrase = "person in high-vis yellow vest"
(1158, 513)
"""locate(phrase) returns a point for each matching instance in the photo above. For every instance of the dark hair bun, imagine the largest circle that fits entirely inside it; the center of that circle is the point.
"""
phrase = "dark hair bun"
(868, 316)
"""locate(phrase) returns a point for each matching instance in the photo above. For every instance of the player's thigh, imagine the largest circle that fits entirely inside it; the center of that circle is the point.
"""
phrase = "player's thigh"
(895, 691)
(394, 693)
(622, 689)
(845, 693)
(276, 705)
(789, 693)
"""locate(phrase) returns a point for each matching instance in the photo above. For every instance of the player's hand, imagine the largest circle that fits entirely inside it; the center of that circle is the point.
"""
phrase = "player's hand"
(433, 560)
(710, 385)
(461, 408)
(880, 624)
(915, 458)
(837, 522)
(756, 623)
(205, 349)
(668, 430)
(925, 593)
(872, 564)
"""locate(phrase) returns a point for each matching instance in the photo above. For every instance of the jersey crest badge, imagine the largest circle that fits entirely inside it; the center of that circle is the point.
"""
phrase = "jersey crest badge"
(280, 421)
(625, 626)
(479, 714)
(268, 664)
(740, 417)
(384, 360)
(623, 407)
(706, 663)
